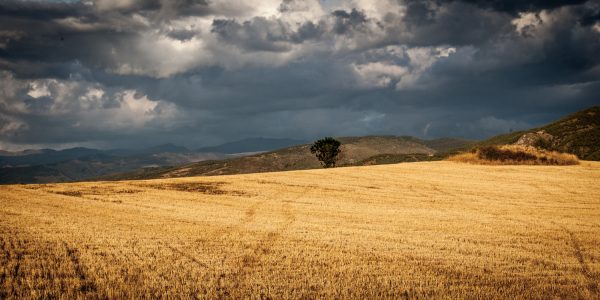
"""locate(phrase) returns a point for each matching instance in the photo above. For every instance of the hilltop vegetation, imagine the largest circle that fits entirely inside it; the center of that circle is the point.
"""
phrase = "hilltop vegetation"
(407, 231)
(578, 134)
(354, 151)
(515, 155)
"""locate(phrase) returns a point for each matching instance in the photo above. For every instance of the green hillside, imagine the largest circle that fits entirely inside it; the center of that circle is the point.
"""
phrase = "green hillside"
(578, 133)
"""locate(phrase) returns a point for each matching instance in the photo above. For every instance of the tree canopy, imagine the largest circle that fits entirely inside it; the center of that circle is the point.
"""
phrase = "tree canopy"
(326, 150)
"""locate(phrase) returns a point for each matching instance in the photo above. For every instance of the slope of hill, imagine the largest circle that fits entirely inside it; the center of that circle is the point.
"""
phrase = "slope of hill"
(445, 145)
(578, 133)
(32, 174)
(355, 151)
(47, 165)
(82, 163)
(424, 230)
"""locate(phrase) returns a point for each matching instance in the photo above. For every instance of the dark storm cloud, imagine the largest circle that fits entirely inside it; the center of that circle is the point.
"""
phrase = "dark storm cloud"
(589, 15)
(455, 23)
(41, 10)
(157, 8)
(420, 13)
(262, 34)
(516, 6)
(200, 72)
(259, 34)
(43, 39)
(182, 35)
(191, 7)
(308, 31)
(348, 21)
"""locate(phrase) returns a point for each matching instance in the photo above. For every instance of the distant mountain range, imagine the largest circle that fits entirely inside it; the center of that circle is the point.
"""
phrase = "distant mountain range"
(75, 164)
(28, 158)
(578, 133)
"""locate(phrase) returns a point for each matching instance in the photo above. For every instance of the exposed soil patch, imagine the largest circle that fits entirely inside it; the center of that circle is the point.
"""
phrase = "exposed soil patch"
(95, 191)
(69, 193)
(210, 188)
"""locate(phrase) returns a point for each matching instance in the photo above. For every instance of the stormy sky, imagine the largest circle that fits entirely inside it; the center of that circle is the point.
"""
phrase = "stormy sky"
(131, 73)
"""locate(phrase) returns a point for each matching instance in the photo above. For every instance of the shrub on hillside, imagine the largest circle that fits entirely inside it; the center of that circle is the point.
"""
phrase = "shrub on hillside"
(543, 144)
(515, 155)
(496, 153)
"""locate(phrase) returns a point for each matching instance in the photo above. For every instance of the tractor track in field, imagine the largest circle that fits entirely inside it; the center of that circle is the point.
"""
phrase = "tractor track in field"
(256, 252)
(189, 257)
(86, 284)
(591, 278)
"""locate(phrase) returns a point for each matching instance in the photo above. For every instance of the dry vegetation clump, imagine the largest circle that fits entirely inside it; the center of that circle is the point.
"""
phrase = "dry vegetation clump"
(515, 155)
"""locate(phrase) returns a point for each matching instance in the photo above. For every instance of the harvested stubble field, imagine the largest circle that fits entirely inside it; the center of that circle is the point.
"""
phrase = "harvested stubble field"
(436, 229)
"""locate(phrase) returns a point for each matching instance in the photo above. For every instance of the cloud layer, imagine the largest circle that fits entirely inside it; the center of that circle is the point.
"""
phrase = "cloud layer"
(198, 72)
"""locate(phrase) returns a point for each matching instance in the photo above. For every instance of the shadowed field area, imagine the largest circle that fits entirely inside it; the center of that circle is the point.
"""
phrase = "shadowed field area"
(436, 229)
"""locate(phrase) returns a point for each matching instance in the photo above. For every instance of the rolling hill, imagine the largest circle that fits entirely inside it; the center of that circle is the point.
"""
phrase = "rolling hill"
(355, 151)
(100, 163)
(578, 133)
(75, 164)
(47, 165)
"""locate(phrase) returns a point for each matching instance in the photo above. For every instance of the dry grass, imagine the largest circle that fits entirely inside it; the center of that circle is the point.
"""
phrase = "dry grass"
(419, 230)
(515, 155)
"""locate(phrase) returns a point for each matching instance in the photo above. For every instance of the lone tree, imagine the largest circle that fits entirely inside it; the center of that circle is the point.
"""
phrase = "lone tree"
(326, 150)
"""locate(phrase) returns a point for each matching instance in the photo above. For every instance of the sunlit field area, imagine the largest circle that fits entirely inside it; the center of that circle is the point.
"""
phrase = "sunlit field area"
(431, 229)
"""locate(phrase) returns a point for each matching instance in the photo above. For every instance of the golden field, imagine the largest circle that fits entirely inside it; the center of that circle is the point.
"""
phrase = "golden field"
(415, 230)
